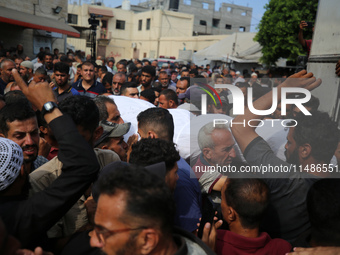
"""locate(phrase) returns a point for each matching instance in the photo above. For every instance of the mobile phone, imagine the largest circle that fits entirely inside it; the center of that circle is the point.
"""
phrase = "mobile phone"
(208, 213)
(310, 24)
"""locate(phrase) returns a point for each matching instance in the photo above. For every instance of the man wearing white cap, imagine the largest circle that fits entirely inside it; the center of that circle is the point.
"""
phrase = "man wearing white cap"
(26, 71)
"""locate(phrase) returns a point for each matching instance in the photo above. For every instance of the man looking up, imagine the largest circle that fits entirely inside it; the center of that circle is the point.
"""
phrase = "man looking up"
(304, 149)
(6, 73)
(63, 88)
(148, 75)
(117, 81)
(88, 86)
(158, 123)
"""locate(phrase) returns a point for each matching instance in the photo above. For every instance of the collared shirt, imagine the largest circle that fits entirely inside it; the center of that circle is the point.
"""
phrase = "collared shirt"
(67, 93)
(96, 89)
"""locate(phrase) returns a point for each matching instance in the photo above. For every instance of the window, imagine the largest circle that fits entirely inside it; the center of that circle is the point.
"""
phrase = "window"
(205, 6)
(120, 24)
(227, 26)
(203, 23)
(242, 29)
(187, 2)
(72, 19)
(148, 21)
(140, 24)
(229, 9)
(244, 13)
(215, 22)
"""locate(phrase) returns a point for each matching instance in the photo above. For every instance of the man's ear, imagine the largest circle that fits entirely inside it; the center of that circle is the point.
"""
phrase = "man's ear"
(207, 153)
(43, 130)
(2, 135)
(147, 240)
(171, 103)
(152, 134)
(305, 150)
(232, 215)
(98, 133)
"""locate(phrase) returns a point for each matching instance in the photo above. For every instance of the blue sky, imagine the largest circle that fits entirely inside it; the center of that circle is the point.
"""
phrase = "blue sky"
(257, 5)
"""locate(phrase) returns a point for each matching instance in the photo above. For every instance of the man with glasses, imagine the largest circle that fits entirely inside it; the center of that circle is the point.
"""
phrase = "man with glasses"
(117, 82)
(142, 220)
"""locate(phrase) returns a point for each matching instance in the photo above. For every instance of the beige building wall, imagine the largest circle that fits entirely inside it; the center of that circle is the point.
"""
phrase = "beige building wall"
(13, 35)
(169, 32)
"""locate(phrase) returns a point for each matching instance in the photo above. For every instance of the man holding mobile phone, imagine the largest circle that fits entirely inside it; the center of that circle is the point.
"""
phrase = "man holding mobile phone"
(306, 44)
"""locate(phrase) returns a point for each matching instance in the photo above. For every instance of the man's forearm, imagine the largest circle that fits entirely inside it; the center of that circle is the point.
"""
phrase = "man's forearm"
(302, 41)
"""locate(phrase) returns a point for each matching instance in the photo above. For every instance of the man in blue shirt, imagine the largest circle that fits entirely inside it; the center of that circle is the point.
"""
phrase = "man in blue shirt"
(61, 75)
(158, 123)
(88, 86)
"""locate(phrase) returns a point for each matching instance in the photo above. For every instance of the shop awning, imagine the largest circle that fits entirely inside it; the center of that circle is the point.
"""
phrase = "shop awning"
(99, 11)
(36, 22)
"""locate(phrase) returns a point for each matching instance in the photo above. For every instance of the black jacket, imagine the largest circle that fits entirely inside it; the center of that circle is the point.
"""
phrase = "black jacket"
(29, 219)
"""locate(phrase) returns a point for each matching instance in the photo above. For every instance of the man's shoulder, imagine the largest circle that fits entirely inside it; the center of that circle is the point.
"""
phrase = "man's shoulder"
(43, 176)
(40, 160)
(74, 92)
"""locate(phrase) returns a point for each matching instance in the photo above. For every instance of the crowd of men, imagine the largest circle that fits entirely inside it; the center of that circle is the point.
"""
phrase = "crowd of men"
(74, 180)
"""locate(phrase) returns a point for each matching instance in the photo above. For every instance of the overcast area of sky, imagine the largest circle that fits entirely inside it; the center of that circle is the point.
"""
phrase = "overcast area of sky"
(257, 5)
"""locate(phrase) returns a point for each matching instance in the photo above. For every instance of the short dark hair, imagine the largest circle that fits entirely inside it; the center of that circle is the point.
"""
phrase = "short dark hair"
(150, 70)
(170, 95)
(48, 54)
(82, 110)
(107, 78)
(100, 101)
(149, 201)
(88, 63)
(187, 79)
(103, 69)
(323, 208)
(61, 67)
(194, 71)
(149, 94)
(127, 85)
(121, 63)
(159, 120)
(41, 55)
(320, 132)
(15, 111)
(249, 198)
(15, 96)
(149, 151)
